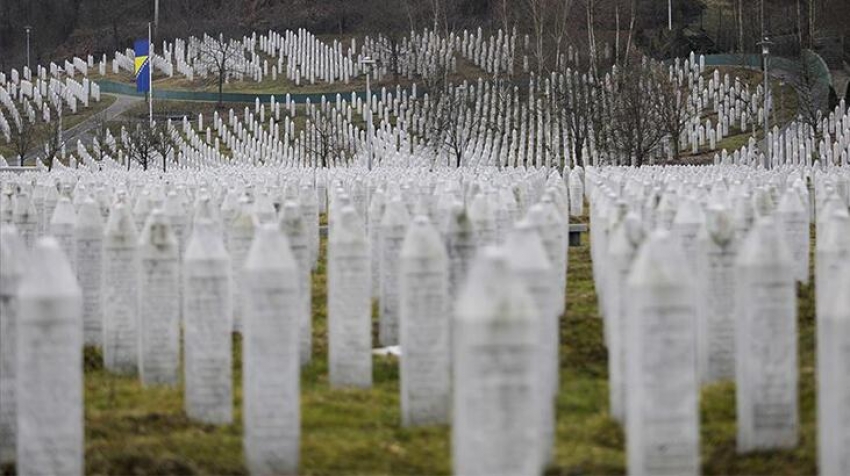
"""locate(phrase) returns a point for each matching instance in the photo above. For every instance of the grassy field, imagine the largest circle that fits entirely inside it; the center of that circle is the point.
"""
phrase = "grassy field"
(134, 430)
(786, 107)
(466, 70)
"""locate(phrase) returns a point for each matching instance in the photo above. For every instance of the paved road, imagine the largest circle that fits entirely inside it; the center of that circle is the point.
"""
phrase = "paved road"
(81, 131)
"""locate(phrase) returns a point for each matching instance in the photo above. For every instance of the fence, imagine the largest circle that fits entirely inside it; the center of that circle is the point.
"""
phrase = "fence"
(114, 87)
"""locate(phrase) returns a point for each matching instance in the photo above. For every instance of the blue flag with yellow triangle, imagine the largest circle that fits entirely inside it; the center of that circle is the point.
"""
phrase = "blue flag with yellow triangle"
(143, 64)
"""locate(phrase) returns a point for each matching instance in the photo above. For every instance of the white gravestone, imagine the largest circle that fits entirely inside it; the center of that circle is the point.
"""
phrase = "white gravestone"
(766, 342)
(717, 247)
(50, 366)
(794, 222)
(26, 219)
(120, 280)
(424, 335)
(686, 226)
(528, 260)
(51, 198)
(611, 300)
(176, 213)
(62, 226)
(834, 382)
(833, 249)
(576, 187)
(293, 226)
(12, 266)
(240, 233)
(833, 256)
(376, 212)
(309, 203)
(662, 425)
(495, 429)
(349, 303)
(207, 326)
(623, 246)
(159, 302)
(460, 246)
(554, 238)
(393, 229)
(270, 366)
(89, 234)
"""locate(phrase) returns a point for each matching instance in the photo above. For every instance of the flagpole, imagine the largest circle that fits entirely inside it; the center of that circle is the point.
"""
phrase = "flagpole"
(150, 75)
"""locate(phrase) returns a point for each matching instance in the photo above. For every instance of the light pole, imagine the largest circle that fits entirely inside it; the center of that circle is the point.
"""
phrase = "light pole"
(28, 29)
(155, 19)
(670, 15)
(370, 63)
(765, 52)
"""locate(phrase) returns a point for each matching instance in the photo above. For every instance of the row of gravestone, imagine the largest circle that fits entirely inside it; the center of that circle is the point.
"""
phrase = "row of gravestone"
(737, 230)
(142, 279)
(695, 270)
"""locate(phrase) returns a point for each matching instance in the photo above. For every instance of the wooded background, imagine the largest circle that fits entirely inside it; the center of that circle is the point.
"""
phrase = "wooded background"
(63, 28)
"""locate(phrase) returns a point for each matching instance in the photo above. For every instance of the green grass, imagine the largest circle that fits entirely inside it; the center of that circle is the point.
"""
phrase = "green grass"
(786, 106)
(466, 70)
(135, 430)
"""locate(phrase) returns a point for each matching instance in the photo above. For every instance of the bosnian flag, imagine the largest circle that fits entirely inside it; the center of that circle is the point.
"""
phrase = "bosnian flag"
(143, 64)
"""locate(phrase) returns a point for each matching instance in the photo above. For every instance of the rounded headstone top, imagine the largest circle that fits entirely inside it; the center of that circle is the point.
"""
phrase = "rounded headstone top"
(49, 273)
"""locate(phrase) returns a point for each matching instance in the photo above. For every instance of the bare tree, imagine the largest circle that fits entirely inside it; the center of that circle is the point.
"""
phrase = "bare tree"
(223, 56)
(573, 98)
(24, 138)
(672, 105)
(451, 116)
(635, 100)
(537, 12)
(561, 26)
(324, 141)
(100, 136)
(55, 141)
(145, 142)
(810, 94)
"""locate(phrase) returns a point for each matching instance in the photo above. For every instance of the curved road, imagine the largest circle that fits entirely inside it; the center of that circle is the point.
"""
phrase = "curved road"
(81, 131)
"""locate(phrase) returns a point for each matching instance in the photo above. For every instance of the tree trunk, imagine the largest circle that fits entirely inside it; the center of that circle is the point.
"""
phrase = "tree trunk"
(221, 74)
(631, 32)
(812, 23)
(617, 33)
(740, 26)
(591, 42)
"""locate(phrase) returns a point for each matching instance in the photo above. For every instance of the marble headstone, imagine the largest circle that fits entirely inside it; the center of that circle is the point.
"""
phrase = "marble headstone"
(270, 365)
(662, 425)
(495, 429)
(89, 234)
(349, 303)
(12, 267)
(424, 336)
(159, 302)
(120, 281)
(766, 342)
(207, 326)
(50, 365)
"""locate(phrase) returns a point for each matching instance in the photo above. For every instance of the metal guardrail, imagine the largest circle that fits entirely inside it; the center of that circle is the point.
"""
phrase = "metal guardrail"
(114, 87)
